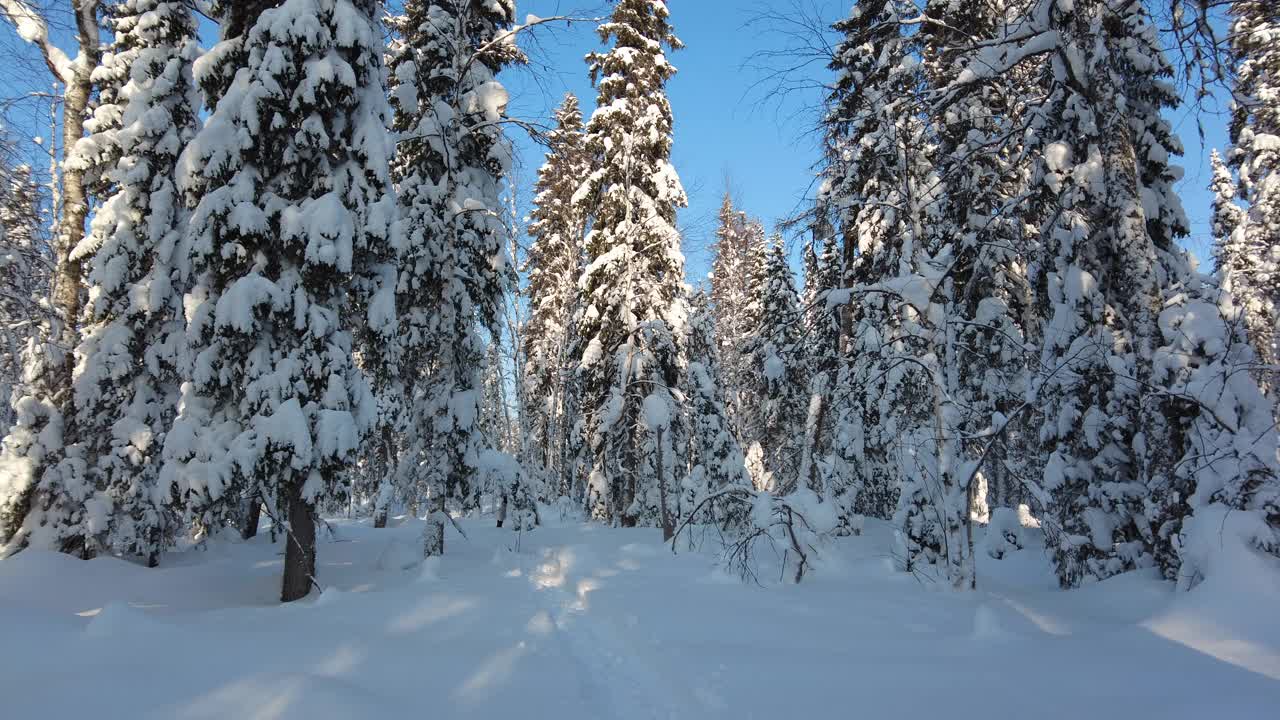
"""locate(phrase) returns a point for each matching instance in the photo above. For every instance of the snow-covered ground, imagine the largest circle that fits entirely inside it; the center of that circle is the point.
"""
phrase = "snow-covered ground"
(582, 622)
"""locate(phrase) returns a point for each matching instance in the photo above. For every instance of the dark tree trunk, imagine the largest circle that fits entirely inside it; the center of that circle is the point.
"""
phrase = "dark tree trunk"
(502, 510)
(381, 509)
(433, 533)
(244, 13)
(252, 518)
(153, 558)
(668, 525)
(627, 495)
(300, 548)
(79, 546)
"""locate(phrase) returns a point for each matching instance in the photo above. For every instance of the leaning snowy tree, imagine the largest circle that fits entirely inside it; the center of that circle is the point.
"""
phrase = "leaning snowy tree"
(554, 266)
(449, 167)
(982, 182)
(876, 184)
(630, 337)
(291, 186)
(127, 366)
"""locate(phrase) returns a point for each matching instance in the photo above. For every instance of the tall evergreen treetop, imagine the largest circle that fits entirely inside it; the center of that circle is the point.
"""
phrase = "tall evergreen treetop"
(554, 266)
(874, 137)
(736, 277)
(778, 358)
(635, 314)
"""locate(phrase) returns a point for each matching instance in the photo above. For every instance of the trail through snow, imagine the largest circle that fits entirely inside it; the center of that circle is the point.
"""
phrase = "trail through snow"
(578, 622)
(623, 678)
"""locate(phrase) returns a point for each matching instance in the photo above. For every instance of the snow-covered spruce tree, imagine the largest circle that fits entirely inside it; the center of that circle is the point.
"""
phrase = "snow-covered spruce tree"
(29, 425)
(554, 266)
(95, 155)
(1229, 255)
(1135, 345)
(449, 168)
(717, 494)
(289, 213)
(32, 468)
(1244, 269)
(495, 410)
(632, 328)
(1221, 467)
(127, 367)
(501, 478)
(776, 350)
(193, 453)
(982, 181)
(873, 132)
(825, 344)
(808, 275)
(826, 363)
(736, 276)
(1219, 481)
(34, 424)
(715, 457)
(820, 232)
(1248, 254)
(875, 180)
(1099, 295)
(24, 271)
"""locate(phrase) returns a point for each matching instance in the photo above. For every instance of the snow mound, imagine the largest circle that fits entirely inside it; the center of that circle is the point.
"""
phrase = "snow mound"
(987, 626)
(430, 570)
(119, 620)
(1230, 613)
(1004, 533)
(399, 554)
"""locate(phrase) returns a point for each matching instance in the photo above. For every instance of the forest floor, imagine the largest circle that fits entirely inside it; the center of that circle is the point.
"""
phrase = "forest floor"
(579, 622)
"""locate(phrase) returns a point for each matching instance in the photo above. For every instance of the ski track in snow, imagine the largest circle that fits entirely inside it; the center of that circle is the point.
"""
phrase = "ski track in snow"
(613, 670)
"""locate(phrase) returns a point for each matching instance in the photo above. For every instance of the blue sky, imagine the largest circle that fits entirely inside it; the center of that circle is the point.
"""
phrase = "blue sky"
(765, 150)
(726, 134)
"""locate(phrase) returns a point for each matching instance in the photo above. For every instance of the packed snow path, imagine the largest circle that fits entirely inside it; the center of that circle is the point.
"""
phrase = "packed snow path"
(588, 623)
